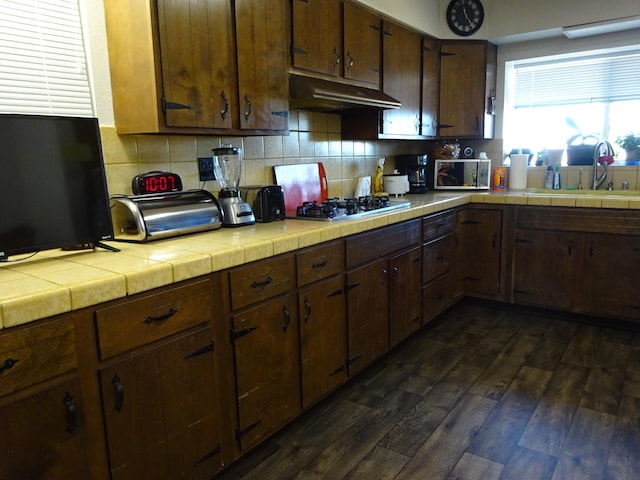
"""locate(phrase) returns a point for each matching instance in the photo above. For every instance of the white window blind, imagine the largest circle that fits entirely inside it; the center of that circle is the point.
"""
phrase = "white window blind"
(43, 67)
(570, 82)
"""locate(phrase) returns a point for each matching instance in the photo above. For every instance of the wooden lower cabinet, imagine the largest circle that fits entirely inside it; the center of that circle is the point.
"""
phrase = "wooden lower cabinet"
(583, 272)
(160, 407)
(266, 352)
(323, 338)
(368, 318)
(43, 434)
(610, 266)
(545, 267)
(405, 295)
(479, 251)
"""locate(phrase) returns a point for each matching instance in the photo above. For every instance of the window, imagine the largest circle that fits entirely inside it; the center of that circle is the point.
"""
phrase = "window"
(548, 102)
(43, 67)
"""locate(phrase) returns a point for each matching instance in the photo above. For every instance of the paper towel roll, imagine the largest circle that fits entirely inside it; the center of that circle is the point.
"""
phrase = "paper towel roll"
(518, 171)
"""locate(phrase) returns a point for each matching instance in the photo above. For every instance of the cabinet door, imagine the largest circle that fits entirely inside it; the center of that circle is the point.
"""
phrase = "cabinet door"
(368, 314)
(43, 435)
(405, 294)
(316, 36)
(610, 263)
(430, 87)
(161, 411)
(545, 267)
(401, 78)
(323, 338)
(479, 250)
(362, 44)
(198, 72)
(266, 348)
(262, 65)
(463, 84)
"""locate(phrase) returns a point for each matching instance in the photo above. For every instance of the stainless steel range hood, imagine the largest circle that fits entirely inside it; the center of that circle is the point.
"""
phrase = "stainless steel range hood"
(308, 93)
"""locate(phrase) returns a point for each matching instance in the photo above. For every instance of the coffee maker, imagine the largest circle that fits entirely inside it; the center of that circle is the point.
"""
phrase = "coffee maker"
(416, 169)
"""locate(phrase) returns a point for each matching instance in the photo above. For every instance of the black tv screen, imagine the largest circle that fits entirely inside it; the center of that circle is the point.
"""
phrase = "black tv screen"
(53, 191)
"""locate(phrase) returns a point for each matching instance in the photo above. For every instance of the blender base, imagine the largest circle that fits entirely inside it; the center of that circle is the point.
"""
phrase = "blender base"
(236, 212)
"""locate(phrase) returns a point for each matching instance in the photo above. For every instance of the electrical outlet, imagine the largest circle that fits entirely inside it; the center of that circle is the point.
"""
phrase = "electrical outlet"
(205, 168)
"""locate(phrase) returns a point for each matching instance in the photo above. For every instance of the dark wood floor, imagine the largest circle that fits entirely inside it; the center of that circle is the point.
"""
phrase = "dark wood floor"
(483, 393)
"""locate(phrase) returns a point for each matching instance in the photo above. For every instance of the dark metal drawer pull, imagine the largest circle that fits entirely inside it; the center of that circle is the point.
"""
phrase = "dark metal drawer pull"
(8, 364)
(71, 413)
(321, 264)
(161, 318)
(262, 284)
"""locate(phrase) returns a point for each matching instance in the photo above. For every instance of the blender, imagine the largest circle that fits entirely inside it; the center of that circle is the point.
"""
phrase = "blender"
(227, 166)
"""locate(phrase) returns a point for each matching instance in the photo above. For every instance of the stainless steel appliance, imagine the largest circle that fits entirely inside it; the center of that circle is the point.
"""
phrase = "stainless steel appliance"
(456, 174)
(142, 218)
(334, 209)
(227, 166)
(417, 170)
(267, 202)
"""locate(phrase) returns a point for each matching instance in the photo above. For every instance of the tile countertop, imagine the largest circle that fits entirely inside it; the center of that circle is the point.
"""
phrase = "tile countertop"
(55, 281)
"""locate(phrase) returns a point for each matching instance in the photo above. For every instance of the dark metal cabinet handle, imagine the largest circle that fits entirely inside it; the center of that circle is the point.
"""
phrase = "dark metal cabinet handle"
(119, 391)
(161, 318)
(8, 364)
(307, 307)
(70, 409)
(249, 109)
(225, 102)
(317, 265)
(287, 318)
(264, 283)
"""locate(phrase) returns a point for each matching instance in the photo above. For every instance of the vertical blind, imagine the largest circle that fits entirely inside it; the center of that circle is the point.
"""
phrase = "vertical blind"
(571, 82)
(43, 67)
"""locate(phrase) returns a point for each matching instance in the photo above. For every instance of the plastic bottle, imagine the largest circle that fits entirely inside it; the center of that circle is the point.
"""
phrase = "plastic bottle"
(557, 181)
(548, 179)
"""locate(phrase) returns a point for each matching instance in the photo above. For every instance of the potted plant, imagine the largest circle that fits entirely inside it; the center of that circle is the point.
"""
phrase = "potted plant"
(630, 143)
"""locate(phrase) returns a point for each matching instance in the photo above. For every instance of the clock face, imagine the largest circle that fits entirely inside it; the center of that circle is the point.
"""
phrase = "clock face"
(465, 17)
(156, 182)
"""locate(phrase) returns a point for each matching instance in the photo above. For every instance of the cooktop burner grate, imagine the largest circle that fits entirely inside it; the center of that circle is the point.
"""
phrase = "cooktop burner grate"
(347, 208)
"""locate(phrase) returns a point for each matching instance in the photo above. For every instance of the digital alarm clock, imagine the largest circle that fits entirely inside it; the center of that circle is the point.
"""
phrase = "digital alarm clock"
(156, 182)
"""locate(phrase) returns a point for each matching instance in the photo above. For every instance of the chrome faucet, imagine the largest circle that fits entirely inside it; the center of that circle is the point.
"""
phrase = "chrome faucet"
(602, 155)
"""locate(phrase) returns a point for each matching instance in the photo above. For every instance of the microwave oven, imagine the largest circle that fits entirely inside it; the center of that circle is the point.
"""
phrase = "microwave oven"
(458, 174)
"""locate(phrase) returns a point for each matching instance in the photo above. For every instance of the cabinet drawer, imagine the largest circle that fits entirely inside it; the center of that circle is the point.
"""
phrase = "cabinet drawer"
(369, 246)
(437, 225)
(320, 262)
(437, 258)
(145, 319)
(437, 296)
(31, 355)
(261, 280)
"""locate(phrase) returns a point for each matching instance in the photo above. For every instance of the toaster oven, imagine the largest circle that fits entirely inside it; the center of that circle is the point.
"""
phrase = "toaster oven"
(457, 174)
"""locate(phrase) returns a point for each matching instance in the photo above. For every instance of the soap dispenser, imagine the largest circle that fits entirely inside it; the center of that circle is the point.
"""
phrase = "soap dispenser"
(548, 179)
(557, 181)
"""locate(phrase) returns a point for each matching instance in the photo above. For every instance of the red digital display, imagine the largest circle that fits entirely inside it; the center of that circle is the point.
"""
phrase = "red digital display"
(156, 182)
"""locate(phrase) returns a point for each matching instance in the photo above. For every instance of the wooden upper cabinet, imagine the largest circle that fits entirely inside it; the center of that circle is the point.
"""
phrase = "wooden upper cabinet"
(317, 30)
(401, 78)
(262, 65)
(197, 56)
(362, 45)
(430, 87)
(184, 66)
(467, 88)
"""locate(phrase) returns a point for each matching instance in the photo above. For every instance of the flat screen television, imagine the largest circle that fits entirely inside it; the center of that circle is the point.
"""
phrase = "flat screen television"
(53, 190)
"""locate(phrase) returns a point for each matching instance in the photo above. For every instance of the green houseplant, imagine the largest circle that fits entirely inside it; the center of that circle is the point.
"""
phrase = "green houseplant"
(630, 143)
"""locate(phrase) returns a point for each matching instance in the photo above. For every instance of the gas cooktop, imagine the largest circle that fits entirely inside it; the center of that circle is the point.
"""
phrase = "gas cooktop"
(334, 209)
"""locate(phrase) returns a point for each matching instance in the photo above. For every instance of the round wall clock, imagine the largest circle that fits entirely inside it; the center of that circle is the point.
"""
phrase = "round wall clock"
(465, 17)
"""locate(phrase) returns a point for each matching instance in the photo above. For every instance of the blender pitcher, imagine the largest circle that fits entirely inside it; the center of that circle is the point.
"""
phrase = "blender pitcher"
(227, 166)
